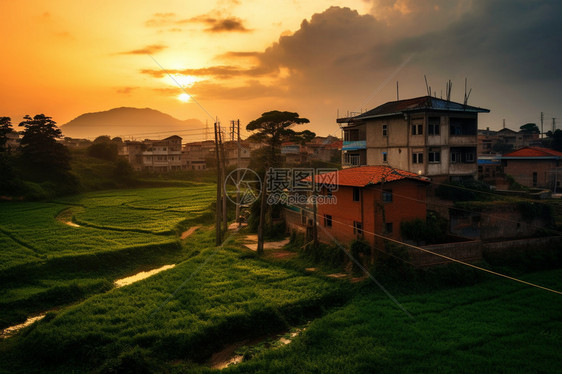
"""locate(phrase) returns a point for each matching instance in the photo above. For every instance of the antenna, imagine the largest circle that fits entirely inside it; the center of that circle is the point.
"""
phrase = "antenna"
(466, 96)
(397, 92)
(427, 88)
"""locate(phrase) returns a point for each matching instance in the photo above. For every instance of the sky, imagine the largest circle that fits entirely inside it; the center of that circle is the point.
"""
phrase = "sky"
(236, 59)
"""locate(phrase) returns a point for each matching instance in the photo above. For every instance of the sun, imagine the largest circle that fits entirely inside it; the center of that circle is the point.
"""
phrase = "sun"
(184, 97)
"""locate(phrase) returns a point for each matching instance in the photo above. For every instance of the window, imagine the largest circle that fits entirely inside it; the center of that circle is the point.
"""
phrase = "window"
(455, 157)
(384, 130)
(434, 157)
(387, 196)
(358, 228)
(417, 129)
(535, 179)
(469, 157)
(384, 157)
(433, 126)
(352, 159)
(356, 194)
(327, 220)
(388, 227)
(417, 158)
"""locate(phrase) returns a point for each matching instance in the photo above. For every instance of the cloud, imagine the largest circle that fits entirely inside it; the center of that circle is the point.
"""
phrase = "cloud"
(215, 24)
(228, 24)
(218, 72)
(150, 49)
(161, 20)
(509, 50)
(125, 90)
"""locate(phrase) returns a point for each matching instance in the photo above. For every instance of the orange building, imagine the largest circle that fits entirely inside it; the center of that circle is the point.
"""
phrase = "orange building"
(366, 200)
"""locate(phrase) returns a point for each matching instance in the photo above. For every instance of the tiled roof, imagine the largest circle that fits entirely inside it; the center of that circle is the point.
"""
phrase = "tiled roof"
(365, 175)
(532, 152)
(418, 103)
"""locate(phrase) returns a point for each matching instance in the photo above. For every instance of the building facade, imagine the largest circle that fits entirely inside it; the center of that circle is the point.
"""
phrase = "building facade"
(534, 167)
(426, 136)
(367, 202)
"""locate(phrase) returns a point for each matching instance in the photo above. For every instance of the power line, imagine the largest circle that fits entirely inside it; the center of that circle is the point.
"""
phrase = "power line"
(449, 258)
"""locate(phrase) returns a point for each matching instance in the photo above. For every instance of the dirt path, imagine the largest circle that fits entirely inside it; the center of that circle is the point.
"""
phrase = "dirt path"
(251, 241)
(65, 216)
(140, 276)
(189, 231)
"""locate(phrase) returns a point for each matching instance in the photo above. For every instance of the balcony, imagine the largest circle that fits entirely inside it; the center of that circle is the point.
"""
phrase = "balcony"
(352, 145)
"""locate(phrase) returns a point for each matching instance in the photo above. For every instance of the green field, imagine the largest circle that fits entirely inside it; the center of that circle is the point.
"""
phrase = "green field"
(496, 326)
(45, 262)
(173, 322)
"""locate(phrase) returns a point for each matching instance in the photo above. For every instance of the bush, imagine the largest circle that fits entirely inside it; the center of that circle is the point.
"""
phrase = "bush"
(465, 190)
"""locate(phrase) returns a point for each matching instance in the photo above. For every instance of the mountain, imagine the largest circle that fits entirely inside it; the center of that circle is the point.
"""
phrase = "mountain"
(129, 123)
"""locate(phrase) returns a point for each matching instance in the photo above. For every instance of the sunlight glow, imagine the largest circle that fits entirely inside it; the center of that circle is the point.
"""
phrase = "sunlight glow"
(184, 97)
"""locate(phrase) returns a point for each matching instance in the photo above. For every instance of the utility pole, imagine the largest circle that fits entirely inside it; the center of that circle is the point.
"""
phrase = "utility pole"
(553, 125)
(218, 238)
(542, 120)
(238, 156)
(223, 176)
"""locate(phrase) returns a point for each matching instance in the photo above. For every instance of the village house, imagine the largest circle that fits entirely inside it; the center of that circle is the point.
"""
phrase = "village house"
(505, 140)
(534, 167)
(364, 201)
(195, 155)
(425, 135)
(154, 155)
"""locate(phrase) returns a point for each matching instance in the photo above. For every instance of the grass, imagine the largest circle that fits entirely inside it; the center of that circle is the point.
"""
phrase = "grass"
(45, 263)
(229, 293)
(496, 326)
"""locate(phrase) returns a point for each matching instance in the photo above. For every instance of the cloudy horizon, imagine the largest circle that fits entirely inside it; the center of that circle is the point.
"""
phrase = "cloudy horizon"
(239, 59)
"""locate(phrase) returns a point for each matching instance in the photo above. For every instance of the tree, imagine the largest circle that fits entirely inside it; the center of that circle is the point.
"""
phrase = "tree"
(530, 128)
(273, 128)
(555, 139)
(39, 146)
(5, 129)
(105, 148)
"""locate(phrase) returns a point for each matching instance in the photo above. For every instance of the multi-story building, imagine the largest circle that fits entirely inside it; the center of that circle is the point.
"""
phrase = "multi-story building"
(425, 135)
(154, 155)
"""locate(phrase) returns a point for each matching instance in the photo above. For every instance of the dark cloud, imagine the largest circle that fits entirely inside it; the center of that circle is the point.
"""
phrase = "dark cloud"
(252, 89)
(150, 49)
(218, 72)
(228, 24)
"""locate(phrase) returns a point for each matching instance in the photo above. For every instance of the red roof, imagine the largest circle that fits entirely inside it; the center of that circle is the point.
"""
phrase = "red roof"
(530, 152)
(365, 175)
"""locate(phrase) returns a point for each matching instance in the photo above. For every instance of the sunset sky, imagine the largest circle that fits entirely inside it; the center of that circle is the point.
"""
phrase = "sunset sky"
(239, 58)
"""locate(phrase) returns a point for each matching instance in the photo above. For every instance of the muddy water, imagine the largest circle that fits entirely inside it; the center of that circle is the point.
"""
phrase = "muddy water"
(140, 276)
(228, 355)
(9, 331)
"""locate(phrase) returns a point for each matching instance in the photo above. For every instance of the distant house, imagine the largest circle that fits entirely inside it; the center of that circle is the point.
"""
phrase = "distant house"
(534, 167)
(368, 200)
(196, 155)
(425, 135)
(154, 155)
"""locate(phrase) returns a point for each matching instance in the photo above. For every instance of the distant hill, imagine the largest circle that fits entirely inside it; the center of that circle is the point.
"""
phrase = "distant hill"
(126, 123)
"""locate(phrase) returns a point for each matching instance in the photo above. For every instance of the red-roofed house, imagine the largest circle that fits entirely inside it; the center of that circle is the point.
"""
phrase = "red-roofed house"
(534, 167)
(367, 200)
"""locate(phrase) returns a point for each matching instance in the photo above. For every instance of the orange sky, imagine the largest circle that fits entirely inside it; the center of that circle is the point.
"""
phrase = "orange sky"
(240, 58)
